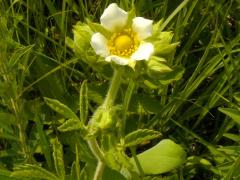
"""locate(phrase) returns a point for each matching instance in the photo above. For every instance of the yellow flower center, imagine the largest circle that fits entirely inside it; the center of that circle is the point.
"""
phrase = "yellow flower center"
(123, 43)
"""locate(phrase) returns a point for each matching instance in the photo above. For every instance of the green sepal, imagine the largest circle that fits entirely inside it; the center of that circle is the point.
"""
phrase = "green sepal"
(95, 27)
(157, 66)
(162, 49)
(131, 15)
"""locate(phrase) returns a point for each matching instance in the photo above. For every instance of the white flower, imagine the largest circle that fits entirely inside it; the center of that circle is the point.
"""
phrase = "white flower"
(126, 44)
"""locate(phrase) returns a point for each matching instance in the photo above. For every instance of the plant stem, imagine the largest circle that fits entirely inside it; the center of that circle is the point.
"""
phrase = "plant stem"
(99, 171)
(100, 157)
(140, 169)
(107, 105)
(96, 149)
(125, 105)
(113, 89)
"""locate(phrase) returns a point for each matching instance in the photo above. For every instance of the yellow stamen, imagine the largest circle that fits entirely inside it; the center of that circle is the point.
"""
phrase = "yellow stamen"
(123, 43)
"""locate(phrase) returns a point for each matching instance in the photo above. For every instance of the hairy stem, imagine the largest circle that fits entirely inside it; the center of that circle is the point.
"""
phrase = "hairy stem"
(100, 157)
(113, 89)
(125, 106)
(107, 105)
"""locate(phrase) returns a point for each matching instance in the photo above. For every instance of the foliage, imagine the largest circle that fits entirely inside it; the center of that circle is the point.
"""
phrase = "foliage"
(52, 85)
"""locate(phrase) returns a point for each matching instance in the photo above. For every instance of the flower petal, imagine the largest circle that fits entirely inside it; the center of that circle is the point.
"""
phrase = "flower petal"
(144, 51)
(99, 44)
(113, 17)
(118, 59)
(143, 27)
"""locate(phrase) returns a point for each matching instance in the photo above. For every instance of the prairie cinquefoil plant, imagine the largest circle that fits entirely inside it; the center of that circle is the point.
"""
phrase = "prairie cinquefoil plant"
(95, 90)
(125, 40)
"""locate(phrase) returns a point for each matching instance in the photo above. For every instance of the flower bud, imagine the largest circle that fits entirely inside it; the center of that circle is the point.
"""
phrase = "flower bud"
(105, 121)
(82, 35)
(101, 121)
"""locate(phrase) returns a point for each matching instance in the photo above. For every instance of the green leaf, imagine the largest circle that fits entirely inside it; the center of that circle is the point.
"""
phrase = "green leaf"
(149, 103)
(140, 136)
(77, 166)
(96, 93)
(6, 127)
(16, 57)
(73, 174)
(162, 49)
(233, 113)
(69, 42)
(70, 125)
(44, 143)
(75, 169)
(162, 158)
(237, 96)
(48, 80)
(84, 102)
(233, 172)
(7, 118)
(58, 158)
(233, 137)
(60, 108)
(33, 171)
(131, 15)
(157, 66)
(82, 35)
(8, 136)
(112, 174)
(99, 28)
(6, 175)
(175, 75)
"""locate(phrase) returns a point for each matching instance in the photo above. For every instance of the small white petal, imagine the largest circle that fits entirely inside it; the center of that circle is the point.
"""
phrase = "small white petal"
(143, 27)
(118, 59)
(113, 17)
(99, 44)
(143, 52)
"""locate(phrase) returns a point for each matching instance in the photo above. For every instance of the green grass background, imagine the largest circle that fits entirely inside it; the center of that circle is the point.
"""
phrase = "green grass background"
(35, 62)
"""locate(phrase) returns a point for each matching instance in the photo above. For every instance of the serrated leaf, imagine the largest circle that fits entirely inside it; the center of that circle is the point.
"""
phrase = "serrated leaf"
(83, 102)
(70, 125)
(33, 171)
(233, 113)
(60, 108)
(18, 54)
(140, 136)
(162, 158)
(58, 158)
